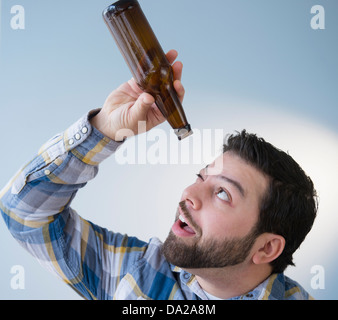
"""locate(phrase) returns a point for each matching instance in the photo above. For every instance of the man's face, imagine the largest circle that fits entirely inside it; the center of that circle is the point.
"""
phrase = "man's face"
(215, 220)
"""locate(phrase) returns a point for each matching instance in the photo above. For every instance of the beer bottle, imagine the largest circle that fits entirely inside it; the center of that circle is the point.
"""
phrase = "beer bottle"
(146, 60)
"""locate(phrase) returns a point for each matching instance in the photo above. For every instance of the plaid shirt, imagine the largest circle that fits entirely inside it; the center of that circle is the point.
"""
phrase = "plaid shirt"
(97, 263)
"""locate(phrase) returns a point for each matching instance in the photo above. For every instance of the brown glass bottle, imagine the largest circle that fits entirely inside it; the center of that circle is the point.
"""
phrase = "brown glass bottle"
(146, 60)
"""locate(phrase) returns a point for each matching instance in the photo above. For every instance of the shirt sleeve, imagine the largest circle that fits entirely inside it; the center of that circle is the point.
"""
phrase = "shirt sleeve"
(36, 206)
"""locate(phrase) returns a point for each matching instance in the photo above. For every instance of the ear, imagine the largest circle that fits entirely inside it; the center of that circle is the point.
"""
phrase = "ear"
(270, 247)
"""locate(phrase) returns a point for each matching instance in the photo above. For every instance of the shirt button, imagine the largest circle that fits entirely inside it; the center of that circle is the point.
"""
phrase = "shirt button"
(77, 136)
(186, 276)
(47, 172)
(84, 130)
(249, 295)
(71, 141)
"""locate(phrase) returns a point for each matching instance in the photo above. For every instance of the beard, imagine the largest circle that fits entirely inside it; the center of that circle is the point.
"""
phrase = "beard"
(208, 253)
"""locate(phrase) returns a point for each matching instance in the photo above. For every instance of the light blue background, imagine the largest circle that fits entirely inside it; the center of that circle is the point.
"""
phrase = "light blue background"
(247, 64)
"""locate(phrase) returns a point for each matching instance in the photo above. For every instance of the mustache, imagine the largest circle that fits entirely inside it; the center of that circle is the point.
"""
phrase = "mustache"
(188, 215)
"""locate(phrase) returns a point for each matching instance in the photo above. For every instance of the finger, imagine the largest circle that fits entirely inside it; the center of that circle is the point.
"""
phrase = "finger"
(132, 83)
(177, 68)
(171, 56)
(179, 89)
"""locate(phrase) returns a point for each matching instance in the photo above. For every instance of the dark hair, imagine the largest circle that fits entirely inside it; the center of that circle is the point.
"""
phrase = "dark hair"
(290, 204)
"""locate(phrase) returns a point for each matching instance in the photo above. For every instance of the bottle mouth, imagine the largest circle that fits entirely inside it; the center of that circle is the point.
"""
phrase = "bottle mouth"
(184, 132)
(119, 6)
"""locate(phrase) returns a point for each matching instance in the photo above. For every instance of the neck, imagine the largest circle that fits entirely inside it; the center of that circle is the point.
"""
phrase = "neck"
(231, 282)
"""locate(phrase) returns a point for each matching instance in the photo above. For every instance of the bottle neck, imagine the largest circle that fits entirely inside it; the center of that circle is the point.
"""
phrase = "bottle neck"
(170, 106)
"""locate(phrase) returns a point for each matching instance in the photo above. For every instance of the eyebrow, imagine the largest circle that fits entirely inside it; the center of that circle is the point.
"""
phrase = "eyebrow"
(236, 184)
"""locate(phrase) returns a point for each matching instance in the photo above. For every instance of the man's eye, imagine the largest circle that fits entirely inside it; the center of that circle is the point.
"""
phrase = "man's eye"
(223, 195)
(199, 176)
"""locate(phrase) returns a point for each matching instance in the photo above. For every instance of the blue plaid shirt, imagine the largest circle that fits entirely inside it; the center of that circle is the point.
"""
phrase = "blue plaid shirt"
(95, 262)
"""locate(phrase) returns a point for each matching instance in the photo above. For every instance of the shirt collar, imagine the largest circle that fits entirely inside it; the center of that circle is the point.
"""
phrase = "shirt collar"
(272, 288)
(190, 281)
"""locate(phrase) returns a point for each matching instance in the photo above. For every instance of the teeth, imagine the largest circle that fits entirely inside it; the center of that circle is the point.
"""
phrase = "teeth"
(182, 219)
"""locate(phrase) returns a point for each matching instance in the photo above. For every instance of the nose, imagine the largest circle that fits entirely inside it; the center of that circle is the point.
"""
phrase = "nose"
(192, 196)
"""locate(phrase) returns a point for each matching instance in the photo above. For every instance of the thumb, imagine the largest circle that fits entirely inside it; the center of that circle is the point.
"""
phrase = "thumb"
(142, 105)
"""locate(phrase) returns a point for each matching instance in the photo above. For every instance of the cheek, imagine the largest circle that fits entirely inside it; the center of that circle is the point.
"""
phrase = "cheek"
(217, 227)
(228, 225)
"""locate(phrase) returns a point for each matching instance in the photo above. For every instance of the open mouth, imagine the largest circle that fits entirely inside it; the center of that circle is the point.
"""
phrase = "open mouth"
(182, 229)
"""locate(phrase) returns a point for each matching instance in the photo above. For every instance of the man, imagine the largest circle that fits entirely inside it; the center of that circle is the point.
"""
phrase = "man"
(235, 231)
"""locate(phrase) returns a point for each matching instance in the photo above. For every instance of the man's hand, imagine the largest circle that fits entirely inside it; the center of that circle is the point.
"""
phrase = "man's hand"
(128, 105)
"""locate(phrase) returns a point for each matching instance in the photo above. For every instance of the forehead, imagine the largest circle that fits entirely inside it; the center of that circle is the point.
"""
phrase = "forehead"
(231, 166)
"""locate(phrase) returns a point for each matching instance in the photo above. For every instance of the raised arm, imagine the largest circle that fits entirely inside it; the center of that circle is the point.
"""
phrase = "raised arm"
(36, 203)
